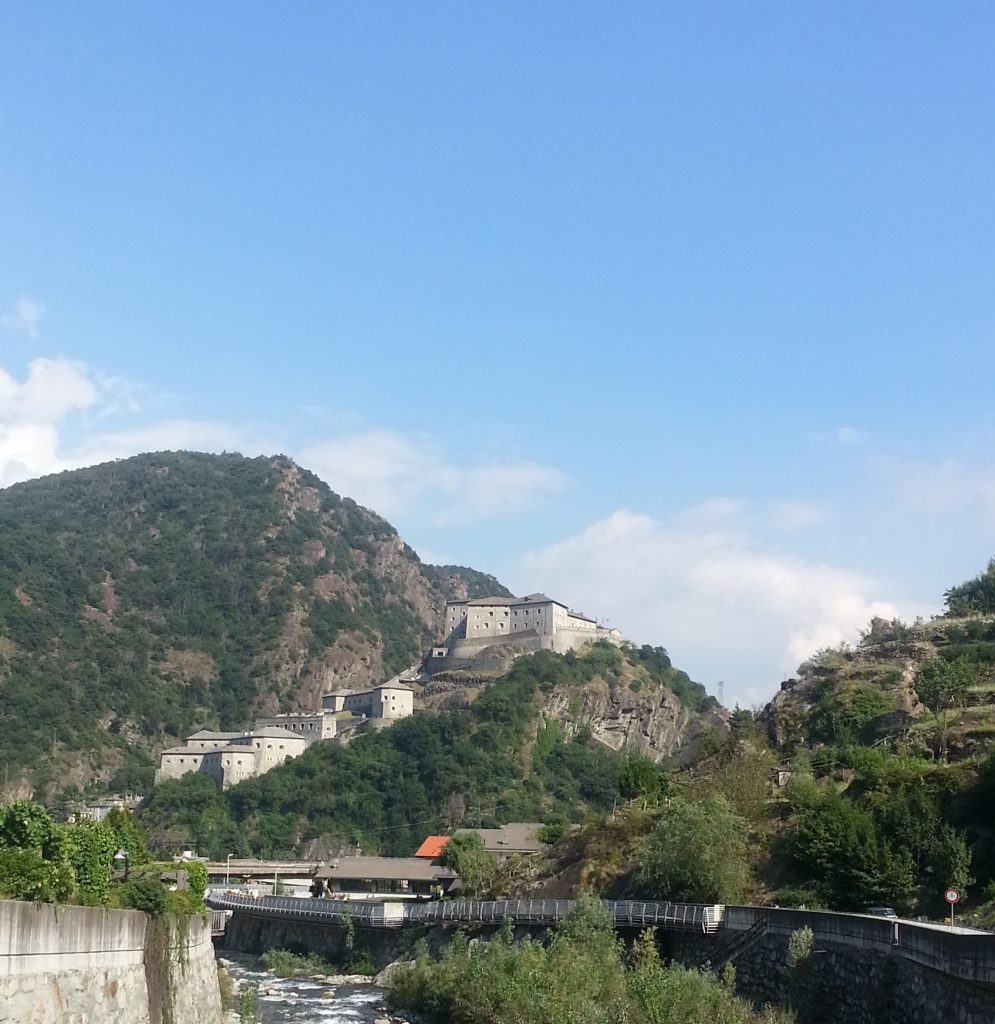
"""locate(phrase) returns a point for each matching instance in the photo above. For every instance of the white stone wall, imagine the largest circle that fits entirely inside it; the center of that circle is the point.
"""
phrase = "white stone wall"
(395, 702)
(172, 766)
(455, 614)
(272, 750)
(76, 965)
(311, 727)
(487, 621)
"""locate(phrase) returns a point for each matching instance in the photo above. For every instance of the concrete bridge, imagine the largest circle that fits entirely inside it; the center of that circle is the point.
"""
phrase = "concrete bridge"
(624, 913)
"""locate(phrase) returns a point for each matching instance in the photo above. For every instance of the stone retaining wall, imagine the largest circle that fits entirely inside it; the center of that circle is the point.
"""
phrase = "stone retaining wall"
(84, 964)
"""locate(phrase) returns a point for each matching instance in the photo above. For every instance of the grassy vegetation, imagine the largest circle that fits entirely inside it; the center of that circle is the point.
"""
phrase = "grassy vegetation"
(582, 975)
(285, 964)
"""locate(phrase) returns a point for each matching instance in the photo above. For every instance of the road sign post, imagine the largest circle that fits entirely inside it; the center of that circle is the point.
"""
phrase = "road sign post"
(952, 896)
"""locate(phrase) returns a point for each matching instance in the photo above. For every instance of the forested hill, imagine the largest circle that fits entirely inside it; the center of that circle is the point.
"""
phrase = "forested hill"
(146, 598)
(503, 758)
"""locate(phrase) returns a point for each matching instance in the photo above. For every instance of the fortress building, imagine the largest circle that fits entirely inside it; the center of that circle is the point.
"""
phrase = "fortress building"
(389, 701)
(230, 757)
(536, 621)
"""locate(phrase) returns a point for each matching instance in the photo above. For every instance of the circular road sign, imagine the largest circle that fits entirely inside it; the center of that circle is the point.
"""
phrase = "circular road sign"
(952, 895)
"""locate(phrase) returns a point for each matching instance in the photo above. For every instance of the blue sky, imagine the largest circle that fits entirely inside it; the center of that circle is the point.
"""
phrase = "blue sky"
(682, 313)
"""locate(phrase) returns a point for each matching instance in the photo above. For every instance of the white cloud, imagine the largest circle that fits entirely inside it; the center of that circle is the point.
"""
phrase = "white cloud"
(167, 435)
(850, 435)
(24, 316)
(37, 420)
(945, 489)
(393, 473)
(724, 607)
(31, 413)
(792, 516)
(844, 436)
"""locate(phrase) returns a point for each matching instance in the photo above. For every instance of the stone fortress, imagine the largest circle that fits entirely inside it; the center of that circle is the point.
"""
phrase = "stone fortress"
(517, 624)
(532, 623)
(232, 757)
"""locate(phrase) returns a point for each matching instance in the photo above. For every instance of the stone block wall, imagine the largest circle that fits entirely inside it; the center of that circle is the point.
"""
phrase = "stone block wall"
(81, 965)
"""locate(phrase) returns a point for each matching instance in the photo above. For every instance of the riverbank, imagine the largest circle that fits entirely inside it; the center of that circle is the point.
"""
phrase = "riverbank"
(321, 999)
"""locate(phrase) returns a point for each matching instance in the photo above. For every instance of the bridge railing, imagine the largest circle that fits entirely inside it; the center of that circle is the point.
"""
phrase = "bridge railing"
(624, 913)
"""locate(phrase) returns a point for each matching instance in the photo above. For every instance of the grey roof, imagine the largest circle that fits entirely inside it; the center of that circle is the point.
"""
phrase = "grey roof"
(581, 615)
(272, 732)
(290, 714)
(185, 750)
(412, 869)
(394, 686)
(233, 748)
(515, 837)
(509, 601)
(208, 734)
(542, 599)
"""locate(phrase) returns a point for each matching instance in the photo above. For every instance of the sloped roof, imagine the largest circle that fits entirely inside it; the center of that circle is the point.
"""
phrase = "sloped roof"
(185, 750)
(432, 847)
(412, 869)
(210, 734)
(515, 837)
(275, 732)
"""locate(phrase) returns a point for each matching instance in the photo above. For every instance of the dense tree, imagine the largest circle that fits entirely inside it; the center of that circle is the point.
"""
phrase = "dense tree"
(641, 779)
(976, 596)
(696, 853)
(943, 684)
(465, 854)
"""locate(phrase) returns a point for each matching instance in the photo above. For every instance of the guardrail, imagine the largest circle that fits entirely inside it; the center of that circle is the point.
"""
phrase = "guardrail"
(624, 913)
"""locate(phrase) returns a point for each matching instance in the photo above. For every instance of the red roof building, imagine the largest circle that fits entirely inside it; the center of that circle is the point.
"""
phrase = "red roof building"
(432, 848)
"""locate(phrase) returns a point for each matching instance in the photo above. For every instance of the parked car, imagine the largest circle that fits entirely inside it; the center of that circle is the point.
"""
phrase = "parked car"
(880, 911)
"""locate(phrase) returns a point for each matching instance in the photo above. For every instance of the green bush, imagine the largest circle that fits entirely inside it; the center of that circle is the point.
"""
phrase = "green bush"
(696, 854)
(581, 977)
(285, 964)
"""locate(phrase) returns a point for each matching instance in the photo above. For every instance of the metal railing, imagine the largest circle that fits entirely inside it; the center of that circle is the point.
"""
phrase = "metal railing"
(624, 913)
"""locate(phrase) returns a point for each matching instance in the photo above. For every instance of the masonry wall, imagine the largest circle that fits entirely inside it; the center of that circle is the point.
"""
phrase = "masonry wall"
(82, 964)
(861, 970)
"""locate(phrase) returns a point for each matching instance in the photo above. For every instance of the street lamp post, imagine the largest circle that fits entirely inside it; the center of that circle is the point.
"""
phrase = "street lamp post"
(122, 855)
(228, 868)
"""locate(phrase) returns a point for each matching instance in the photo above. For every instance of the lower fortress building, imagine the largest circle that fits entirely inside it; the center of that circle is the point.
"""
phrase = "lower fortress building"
(232, 757)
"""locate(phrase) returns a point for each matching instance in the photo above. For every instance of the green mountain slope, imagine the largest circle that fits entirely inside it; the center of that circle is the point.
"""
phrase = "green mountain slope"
(501, 759)
(142, 599)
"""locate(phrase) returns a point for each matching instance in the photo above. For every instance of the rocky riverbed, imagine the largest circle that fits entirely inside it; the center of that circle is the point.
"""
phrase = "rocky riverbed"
(322, 1000)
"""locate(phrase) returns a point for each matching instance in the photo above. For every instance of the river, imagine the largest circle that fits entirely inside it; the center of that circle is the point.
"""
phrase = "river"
(302, 1001)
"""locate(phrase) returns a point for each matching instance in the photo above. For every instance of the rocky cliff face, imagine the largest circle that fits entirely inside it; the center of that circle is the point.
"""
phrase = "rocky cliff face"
(646, 720)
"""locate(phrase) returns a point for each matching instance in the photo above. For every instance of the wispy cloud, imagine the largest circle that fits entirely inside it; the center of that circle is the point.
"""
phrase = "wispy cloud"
(946, 488)
(725, 604)
(58, 418)
(24, 316)
(794, 516)
(844, 437)
(391, 472)
(31, 412)
(37, 415)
